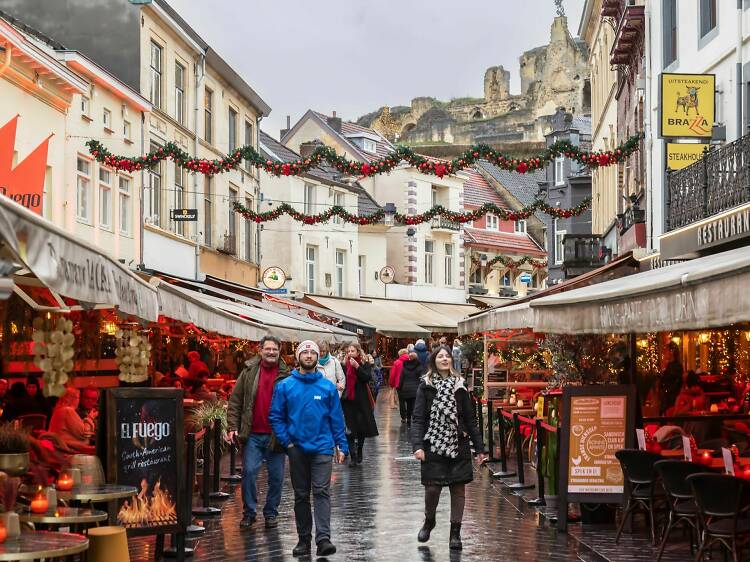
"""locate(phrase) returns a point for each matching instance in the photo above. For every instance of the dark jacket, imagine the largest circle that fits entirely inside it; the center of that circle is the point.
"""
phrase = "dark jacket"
(437, 469)
(240, 410)
(411, 373)
(423, 354)
(360, 420)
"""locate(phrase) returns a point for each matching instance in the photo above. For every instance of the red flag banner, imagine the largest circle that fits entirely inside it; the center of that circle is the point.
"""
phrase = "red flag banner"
(24, 184)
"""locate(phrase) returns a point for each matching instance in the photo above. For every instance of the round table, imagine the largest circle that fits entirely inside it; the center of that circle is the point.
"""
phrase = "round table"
(33, 545)
(96, 494)
(64, 516)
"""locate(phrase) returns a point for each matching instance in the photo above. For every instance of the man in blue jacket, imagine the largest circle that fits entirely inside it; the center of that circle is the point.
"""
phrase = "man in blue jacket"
(307, 420)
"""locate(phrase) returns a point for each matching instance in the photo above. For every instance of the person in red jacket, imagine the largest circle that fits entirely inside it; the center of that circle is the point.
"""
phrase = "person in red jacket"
(197, 367)
(394, 380)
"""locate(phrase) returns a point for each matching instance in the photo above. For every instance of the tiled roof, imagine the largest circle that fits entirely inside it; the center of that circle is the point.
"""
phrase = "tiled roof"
(523, 187)
(477, 191)
(382, 146)
(366, 205)
(272, 149)
(506, 242)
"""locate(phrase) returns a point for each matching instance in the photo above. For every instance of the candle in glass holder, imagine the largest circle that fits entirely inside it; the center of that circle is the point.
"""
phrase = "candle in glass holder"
(65, 482)
(706, 458)
(39, 504)
(714, 408)
(3, 533)
(746, 472)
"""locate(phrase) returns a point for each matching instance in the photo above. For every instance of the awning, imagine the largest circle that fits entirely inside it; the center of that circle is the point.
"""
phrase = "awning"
(514, 317)
(488, 302)
(71, 266)
(702, 293)
(186, 306)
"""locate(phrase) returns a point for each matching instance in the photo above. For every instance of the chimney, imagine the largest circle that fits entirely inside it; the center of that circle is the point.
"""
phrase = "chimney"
(335, 122)
(283, 132)
(307, 148)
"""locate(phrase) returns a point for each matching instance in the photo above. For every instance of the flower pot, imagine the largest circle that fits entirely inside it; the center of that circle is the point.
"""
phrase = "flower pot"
(14, 464)
(11, 523)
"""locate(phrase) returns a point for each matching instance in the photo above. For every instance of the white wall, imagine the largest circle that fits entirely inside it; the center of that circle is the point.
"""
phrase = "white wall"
(169, 254)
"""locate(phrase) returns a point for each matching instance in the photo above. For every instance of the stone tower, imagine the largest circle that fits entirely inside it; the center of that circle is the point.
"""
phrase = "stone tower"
(496, 84)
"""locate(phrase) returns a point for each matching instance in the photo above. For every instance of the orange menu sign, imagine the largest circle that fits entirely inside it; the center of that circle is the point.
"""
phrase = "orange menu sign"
(597, 432)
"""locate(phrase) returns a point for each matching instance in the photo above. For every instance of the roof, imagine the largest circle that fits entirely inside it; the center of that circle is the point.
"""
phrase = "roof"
(507, 242)
(348, 129)
(366, 205)
(478, 191)
(524, 187)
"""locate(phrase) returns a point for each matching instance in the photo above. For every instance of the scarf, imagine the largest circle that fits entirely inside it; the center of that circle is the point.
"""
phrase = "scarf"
(324, 360)
(442, 432)
(351, 380)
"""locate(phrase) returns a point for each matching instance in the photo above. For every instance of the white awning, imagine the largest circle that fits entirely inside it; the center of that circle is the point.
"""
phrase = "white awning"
(390, 318)
(187, 306)
(702, 293)
(71, 266)
(514, 317)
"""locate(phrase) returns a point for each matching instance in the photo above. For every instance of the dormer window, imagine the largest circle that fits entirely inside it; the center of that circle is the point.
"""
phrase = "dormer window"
(369, 146)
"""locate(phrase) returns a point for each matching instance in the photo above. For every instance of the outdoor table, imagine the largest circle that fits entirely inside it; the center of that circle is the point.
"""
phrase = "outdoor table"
(100, 493)
(63, 516)
(34, 545)
(716, 462)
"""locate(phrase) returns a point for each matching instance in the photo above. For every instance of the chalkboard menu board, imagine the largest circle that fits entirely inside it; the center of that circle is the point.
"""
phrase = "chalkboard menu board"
(597, 421)
(145, 430)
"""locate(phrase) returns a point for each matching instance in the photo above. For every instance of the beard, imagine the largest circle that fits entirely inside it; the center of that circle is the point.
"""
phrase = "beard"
(308, 364)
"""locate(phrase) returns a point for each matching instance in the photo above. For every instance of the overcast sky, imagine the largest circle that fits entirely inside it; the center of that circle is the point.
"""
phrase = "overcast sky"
(354, 56)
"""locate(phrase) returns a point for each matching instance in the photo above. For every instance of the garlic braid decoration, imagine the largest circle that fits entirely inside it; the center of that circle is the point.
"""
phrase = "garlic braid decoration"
(53, 352)
(132, 354)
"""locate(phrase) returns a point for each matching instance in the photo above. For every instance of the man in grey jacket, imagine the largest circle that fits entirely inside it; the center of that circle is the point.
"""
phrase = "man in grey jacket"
(247, 420)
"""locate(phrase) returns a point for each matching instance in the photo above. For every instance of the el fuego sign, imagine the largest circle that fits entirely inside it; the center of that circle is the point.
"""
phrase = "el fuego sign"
(23, 183)
(687, 105)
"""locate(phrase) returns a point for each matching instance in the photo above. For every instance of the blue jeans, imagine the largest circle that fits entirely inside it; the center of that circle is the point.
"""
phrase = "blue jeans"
(256, 451)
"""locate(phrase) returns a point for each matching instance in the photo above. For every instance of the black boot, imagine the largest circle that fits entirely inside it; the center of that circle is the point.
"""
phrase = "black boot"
(303, 548)
(455, 537)
(427, 527)
(352, 458)
(359, 454)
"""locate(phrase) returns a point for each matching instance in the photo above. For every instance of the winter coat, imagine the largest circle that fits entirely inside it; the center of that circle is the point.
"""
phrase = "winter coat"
(411, 373)
(437, 469)
(360, 420)
(333, 372)
(423, 354)
(395, 376)
(240, 408)
(457, 355)
(306, 413)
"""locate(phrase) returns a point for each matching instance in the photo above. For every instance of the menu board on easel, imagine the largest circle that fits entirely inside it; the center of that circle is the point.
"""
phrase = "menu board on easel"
(145, 431)
(597, 421)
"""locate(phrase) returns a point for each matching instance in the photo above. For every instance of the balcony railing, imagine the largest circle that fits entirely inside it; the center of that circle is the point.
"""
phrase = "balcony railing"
(439, 223)
(717, 182)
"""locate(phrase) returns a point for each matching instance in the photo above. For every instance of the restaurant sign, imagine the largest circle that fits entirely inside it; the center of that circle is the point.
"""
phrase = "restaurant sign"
(24, 182)
(146, 450)
(597, 422)
(681, 155)
(687, 105)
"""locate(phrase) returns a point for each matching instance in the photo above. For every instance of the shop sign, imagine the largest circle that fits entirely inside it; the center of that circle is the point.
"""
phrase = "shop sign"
(185, 215)
(681, 155)
(387, 274)
(597, 422)
(525, 278)
(687, 104)
(23, 183)
(145, 432)
(274, 278)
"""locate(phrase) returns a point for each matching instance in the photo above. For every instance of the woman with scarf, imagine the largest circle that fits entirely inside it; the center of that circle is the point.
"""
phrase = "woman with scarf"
(330, 366)
(357, 402)
(443, 424)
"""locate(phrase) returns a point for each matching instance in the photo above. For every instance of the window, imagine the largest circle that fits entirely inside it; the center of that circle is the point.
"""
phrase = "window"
(125, 202)
(154, 93)
(105, 199)
(340, 264)
(362, 273)
(179, 93)
(338, 201)
(492, 222)
(520, 226)
(249, 232)
(369, 146)
(559, 247)
(207, 211)
(429, 262)
(310, 268)
(506, 280)
(107, 118)
(560, 170)
(707, 16)
(309, 200)
(152, 197)
(232, 219)
(669, 32)
(178, 202)
(127, 130)
(248, 140)
(448, 265)
(232, 129)
(477, 276)
(85, 105)
(208, 116)
(434, 198)
(83, 190)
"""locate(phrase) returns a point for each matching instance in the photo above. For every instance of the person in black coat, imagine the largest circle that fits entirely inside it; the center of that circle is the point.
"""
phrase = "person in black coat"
(357, 402)
(443, 424)
(411, 373)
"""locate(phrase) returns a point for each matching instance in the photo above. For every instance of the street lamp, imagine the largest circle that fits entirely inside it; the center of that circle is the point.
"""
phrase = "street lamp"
(390, 214)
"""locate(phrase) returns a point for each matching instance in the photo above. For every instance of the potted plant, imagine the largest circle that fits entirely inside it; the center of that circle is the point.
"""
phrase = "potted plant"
(204, 415)
(14, 450)
(550, 462)
(8, 494)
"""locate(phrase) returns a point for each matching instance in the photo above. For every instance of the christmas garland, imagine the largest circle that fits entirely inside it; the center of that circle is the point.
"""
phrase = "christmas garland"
(383, 165)
(434, 212)
(536, 357)
(510, 263)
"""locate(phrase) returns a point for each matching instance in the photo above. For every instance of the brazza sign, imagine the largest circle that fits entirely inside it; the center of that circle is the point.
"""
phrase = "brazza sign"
(687, 105)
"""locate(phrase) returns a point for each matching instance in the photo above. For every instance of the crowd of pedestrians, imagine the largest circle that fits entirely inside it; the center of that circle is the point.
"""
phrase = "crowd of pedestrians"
(322, 412)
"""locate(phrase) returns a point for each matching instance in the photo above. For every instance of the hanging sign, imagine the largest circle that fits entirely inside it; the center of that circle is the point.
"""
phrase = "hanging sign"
(387, 274)
(23, 183)
(687, 104)
(185, 215)
(274, 278)
(681, 155)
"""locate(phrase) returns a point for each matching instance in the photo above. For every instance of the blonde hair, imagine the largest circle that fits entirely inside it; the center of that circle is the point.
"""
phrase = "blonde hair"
(71, 398)
(355, 344)
(402, 351)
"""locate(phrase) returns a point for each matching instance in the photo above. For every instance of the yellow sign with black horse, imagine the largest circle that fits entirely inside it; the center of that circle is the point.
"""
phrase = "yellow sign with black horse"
(687, 104)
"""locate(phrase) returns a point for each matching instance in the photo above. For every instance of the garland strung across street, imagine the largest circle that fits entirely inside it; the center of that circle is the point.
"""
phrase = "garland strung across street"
(383, 165)
(510, 263)
(436, 211)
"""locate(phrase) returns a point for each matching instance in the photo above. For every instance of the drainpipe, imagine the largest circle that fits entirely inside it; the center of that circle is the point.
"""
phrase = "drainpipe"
(257, 195)
(141, 194)
(200, 73)
(8, 55)
(739, 68)
(649, 140)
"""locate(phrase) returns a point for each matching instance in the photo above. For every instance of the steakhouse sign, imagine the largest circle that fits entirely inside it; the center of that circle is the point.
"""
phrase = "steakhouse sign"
(687, 105)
